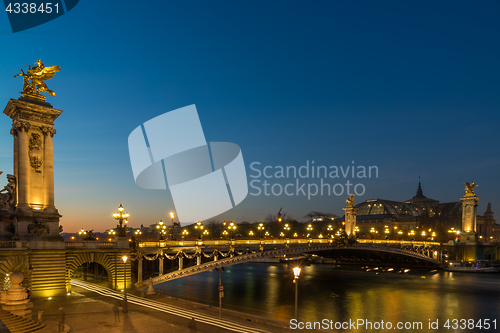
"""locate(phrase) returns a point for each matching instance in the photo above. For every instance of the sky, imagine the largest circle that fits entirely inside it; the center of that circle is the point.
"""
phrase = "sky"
(408, 87)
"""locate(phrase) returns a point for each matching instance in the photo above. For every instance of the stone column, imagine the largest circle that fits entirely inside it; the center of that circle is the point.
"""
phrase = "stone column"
(181, 263)
(48, 169)
(350, 219)
(139, 273)
(21, 128)
(468, 233)
(161, 266)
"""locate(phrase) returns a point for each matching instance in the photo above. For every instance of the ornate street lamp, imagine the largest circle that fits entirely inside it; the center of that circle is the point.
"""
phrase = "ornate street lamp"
(205, 233)
(185, 233)
(138, 232)
(121, 217)
(400, 233)
(309, 229)
(296, 274)
(250, 233)
(125, 306)
(162, 229)
(286, 228)
(261, 229)
(231, 228)
(199, 227)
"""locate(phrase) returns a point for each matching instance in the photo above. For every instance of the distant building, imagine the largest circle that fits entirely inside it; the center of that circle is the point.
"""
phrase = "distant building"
(319, 216)
(380, 217)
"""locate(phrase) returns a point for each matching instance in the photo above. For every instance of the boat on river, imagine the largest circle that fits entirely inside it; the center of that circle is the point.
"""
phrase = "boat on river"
(475, 267)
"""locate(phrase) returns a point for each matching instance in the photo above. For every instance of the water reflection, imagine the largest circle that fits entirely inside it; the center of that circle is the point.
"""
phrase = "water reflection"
(417, 296)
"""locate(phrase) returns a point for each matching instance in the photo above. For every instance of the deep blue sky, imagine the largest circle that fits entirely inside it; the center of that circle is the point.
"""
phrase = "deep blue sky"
(412, 88)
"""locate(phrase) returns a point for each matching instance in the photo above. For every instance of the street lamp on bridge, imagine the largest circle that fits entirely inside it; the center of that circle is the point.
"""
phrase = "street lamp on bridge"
(121, 217)
(199, 226)
(261, 229)
(231, 228)
(161, 227)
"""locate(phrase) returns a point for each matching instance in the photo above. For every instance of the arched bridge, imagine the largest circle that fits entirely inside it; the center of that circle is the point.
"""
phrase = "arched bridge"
(234, 257)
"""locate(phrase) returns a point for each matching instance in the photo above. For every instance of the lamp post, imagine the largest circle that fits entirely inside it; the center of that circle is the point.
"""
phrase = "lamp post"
(121, 217)
(261, 229)
(309, 229)
(125, 307)
(185, 233)
(296, 274)
(199, 227)
(286, 228)
(162, 229)
(231, 228)
(400, 233)
(172, 217)
(221, 290)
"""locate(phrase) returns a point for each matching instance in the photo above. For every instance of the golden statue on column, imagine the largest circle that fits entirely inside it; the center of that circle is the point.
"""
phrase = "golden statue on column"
(469, 189)
(33, 83)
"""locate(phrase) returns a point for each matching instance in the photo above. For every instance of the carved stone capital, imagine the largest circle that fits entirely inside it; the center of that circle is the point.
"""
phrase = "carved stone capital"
(18, 126)
(48, 131)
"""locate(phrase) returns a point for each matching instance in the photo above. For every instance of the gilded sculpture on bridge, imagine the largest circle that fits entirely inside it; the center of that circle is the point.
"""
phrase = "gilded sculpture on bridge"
(469, 188)
(34, 84)
(350, 201)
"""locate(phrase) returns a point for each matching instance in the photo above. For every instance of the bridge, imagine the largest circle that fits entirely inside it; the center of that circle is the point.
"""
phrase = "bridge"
(425, 251)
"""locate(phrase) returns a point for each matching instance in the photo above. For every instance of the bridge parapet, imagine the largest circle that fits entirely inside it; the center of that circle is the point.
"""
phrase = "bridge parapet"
(13, 245)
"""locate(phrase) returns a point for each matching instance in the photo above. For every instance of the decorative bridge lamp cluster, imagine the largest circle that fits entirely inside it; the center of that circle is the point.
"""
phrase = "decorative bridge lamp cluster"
(82, 233)
(309, 230)
(231, 228)
(296, 274)
(162, 229)
(286, 228)
(261, 229)
(199, 227)
(121, 217)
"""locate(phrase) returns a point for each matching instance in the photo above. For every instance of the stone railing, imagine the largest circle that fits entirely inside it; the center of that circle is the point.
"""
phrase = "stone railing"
(13, 245)
(91, 245)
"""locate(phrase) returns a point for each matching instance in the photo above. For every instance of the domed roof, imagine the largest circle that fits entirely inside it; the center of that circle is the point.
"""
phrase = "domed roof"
(387, 207)
(422, 201)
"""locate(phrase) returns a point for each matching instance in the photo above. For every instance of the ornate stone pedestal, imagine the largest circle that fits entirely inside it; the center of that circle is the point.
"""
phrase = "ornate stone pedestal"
(33, 129)
(468, 233)
(17, 301)
(350, 217)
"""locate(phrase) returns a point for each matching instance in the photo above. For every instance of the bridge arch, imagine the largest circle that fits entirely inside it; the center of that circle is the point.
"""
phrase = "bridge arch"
(110, 261)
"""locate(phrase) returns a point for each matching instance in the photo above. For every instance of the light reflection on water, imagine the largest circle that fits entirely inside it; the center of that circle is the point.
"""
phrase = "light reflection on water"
(267, 290)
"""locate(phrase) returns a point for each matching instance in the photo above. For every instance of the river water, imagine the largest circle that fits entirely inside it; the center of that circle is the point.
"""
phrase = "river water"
(351, 293)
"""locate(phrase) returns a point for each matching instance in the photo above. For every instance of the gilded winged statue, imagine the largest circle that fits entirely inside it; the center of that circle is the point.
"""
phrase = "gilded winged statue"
(350, 201)
(34, 80)
(469, 188)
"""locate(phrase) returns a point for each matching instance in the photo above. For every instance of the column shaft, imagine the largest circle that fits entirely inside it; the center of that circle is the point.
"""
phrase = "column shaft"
(139, 273)
(161, 266)
(23, 166)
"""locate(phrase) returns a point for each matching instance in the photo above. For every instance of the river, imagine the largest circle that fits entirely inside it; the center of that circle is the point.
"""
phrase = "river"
(351, 293)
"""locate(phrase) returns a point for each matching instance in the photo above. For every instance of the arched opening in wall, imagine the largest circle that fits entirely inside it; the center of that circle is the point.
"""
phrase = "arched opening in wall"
(490, 256)
(91, 272)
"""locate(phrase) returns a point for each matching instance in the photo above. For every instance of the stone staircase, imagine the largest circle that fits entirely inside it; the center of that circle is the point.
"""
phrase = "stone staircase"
(18, 324)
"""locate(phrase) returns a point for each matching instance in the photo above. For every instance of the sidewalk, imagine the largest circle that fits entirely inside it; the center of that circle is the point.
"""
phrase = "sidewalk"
(89, 312)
